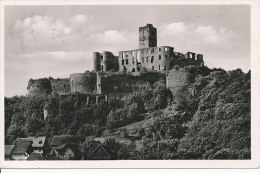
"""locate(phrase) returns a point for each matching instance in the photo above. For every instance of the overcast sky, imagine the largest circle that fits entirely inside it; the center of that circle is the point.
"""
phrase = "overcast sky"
(43, 41)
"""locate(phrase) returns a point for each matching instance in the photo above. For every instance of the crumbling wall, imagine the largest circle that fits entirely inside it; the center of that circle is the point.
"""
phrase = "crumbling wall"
(125, 83)
(80, 99)
(152, 59)
(176, 79)
(39, 87)
(83, 82)
(60, 86)
(189, 59)
(105, 61)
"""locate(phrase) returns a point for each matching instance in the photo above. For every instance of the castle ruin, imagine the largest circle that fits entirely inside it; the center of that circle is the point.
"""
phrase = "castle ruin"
(148, 56)
(128, 67)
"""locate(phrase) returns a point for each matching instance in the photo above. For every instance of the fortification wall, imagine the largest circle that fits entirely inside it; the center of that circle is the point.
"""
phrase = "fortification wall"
(125, 83)
(60, 86)
(39, 87)
(83, 99)
(83, 82)
(176, 79)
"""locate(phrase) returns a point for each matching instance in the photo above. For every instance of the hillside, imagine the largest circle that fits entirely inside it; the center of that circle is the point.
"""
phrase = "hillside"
(207, 119)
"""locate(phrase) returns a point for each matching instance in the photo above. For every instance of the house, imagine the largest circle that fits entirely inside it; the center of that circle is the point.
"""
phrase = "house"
(68, 152)
(58, 140)
(102, 153)
(34, 156)
(40, 144)
(8, 149)
(21, 151)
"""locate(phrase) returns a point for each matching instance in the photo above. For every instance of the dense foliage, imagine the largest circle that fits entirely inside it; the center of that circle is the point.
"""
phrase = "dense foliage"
(208, 119)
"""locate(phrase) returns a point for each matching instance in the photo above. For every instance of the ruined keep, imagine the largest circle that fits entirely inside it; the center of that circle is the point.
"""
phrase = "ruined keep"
(147, 36)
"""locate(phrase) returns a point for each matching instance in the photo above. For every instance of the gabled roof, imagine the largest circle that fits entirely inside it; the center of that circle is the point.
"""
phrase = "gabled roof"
(59, 139)
(34, 156)
(104, 148)
(37, 141)
(20, 147)
(71, 146)
(8, 149)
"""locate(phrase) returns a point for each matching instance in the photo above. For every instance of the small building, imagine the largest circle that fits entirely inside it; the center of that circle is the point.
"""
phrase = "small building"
(68, 152)
(8, 149)
(102, 153)
(58, 140)
(22, 150)
(39, 144)
(34, 156)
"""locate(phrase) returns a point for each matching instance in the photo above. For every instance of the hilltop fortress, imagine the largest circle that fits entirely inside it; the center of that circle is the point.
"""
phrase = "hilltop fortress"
(126, 72)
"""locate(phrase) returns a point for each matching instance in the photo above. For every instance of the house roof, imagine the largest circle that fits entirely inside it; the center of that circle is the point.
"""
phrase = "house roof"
(20, 147)
(34, 156)
(59, 139)
(71, 146)
(37, 141)
(8, 149)
(104, 148)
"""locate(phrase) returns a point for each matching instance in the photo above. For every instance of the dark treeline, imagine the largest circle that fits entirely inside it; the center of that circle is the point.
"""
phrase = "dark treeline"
(208, 119)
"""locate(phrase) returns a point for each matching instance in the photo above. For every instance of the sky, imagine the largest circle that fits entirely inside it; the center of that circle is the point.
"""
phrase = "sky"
(56, 41)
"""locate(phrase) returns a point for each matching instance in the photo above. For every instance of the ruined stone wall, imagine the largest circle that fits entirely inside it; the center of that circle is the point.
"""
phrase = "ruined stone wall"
(39, 87)
(125, 83)
(105, 61)
(97, 61)
(83, 99)
(189, 59)
(176, 79)
(83, 82)
(153, 59)
(60, 86)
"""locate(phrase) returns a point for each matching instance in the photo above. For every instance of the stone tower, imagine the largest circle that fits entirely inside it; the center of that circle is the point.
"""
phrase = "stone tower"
(147, 36)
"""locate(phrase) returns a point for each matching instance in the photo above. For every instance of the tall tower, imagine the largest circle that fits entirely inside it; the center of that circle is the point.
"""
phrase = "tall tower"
(147, 36)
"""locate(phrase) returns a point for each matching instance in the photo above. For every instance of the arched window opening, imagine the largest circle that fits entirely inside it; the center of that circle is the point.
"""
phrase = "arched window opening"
(159, 67)
(152, 59)
(102, 67)
(160, 57)
(133, 70)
